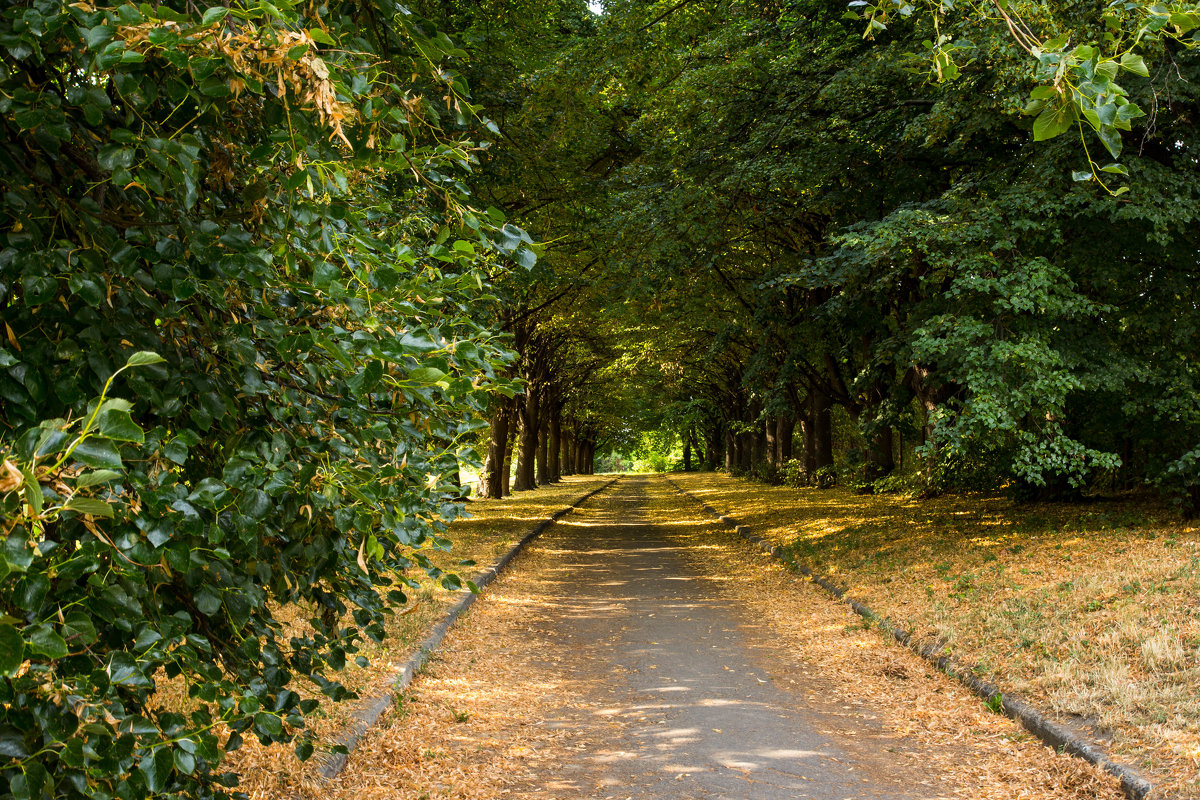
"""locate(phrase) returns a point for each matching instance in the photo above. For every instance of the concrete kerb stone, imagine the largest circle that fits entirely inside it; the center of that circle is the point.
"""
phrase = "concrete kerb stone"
(1050, 733)
(368, 714)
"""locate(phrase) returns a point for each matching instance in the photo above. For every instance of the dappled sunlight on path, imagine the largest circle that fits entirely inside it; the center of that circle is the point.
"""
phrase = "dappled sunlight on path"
(627, 658)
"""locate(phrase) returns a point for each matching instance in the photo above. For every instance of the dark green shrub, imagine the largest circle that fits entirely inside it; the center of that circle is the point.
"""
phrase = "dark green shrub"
(304, 319)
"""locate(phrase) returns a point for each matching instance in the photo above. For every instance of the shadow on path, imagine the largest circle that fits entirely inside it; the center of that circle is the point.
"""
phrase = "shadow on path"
(702, 718)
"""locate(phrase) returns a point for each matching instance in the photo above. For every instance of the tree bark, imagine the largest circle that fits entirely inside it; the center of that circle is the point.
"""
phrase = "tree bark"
(817, 428)
(554, 446)
(527, 449)
(713, 454)
(773, 448)
(785, 427)
(493, 464)
(506, 466)
(543, 443)
(881, 459)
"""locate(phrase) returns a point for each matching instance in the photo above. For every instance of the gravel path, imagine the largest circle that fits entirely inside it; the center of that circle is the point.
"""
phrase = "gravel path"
(704, 718)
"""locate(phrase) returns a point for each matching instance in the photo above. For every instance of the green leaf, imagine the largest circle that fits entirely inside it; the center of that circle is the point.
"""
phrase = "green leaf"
(1135, 64)
(208, 602)
(321, 37)
(1053, 121)
(1081, 175)
(214, 15)
(1129, 111)
(95, 478)
(304, 749)
(45, 640)
(86, 289)
(427, 375)
(1117, 169)
(95, 452)
(156, 768)
(123, 670)
(98, 36)
(144, 357)
(33, 490)
(118, 425)
(89, 505)
(12, 743)
(185, 762)
(268, 723)
(78, 625)
(525, 257)
(12, 651)
(1111, 139)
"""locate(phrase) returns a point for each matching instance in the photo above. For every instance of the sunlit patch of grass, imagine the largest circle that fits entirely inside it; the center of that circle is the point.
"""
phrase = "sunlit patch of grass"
(1091, 610)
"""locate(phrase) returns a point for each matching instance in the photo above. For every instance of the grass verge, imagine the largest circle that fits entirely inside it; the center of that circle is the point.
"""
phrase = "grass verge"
(1089, 611)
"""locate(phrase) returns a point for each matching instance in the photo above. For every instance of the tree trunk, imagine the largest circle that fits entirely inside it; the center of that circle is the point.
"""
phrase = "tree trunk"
(745, 448)
(758, 446)
(527, 449)
(687, 454)
(543, 444)
(881, 459)
(712, 455)
(817, 428)
(785, 427)
(701, 447)
(771, 441)
(731, 447)
(506, 467)
(493, 465)
(581, 457)
(554, 446)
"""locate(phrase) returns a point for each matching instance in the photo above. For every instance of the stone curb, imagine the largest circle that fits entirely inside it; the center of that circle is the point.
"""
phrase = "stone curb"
(1052, 734)
(370, 712)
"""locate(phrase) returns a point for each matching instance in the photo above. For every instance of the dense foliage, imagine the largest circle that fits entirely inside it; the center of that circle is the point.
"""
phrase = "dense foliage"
(813, 227)
(247, 335)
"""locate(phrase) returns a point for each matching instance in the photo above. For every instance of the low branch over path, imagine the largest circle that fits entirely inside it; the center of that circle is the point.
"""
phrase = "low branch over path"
(639, 650)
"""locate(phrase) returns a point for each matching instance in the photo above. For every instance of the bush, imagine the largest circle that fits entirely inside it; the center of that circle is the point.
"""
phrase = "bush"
(825, 477)
(793, 473)
(241, 351)
(767, 473)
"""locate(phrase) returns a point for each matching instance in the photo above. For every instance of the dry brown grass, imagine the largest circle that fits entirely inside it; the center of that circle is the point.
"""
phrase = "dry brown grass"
(494, 526)
(1088, 610)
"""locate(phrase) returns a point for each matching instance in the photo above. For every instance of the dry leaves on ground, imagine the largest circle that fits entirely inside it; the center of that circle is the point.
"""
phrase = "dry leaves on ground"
(1087, 610)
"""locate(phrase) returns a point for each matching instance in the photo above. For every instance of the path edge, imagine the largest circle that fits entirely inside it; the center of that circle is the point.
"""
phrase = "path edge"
(1031, 719)
(369, 713)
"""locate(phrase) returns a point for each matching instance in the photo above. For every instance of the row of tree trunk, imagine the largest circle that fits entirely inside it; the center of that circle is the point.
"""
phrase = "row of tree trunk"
(741, 437)
(530, 428)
